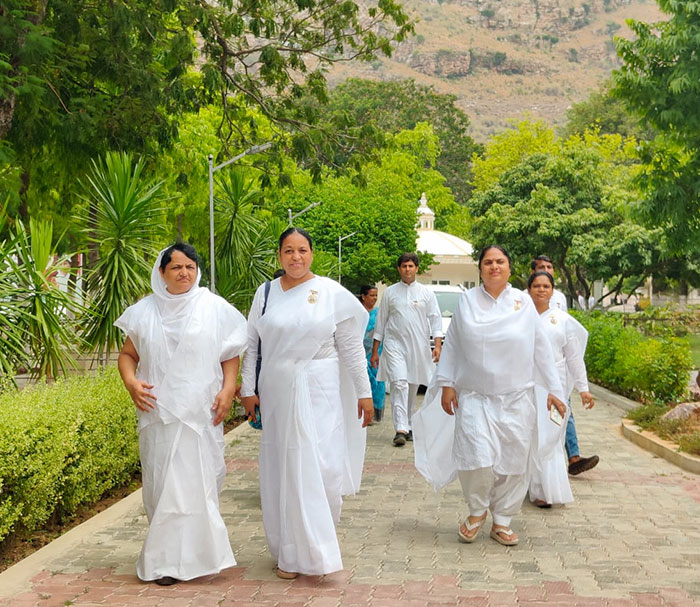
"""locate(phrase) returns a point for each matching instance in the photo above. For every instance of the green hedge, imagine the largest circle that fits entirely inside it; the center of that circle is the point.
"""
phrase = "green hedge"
(63, 445)
(649, 370)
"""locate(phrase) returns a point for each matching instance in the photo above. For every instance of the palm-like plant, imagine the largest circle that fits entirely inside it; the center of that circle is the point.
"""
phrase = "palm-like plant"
(246, 241)
(37, 317)
(123, 219)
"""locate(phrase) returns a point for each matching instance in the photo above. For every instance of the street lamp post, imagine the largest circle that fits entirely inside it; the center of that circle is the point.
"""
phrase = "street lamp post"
(340, 253)
(293, 217)
(212, 169)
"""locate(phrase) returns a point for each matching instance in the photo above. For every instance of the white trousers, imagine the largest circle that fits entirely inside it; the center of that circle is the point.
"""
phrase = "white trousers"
(403, 398)
(485, 490)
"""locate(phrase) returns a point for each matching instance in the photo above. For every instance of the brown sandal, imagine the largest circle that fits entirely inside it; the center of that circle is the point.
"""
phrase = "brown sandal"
(285, 575)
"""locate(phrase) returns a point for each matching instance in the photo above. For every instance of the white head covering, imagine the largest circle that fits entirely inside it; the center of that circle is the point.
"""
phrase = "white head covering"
(174, 310)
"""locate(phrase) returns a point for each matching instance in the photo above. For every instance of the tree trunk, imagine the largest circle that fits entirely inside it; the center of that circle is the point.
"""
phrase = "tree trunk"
(23, 189)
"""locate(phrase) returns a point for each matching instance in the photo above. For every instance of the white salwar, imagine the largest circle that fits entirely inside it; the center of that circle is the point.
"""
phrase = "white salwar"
(181, 341)
(408, 315)
(549, 478)
(492, 351)
(313, 445)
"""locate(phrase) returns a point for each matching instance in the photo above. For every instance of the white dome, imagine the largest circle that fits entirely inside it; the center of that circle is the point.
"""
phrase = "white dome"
(441, 243)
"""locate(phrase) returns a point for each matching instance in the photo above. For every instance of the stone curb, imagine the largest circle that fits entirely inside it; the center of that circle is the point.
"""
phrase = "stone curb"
(663, 448)
(647, 440)
(614, 399)
(16, 578)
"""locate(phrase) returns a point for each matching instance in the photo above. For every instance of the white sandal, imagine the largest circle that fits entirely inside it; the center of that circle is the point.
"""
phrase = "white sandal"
(468, 539)
(505, 531)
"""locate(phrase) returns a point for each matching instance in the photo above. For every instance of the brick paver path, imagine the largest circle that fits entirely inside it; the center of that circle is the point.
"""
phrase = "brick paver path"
(631, 538)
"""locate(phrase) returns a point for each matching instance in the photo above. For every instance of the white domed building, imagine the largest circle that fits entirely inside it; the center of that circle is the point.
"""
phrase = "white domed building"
(455, 265)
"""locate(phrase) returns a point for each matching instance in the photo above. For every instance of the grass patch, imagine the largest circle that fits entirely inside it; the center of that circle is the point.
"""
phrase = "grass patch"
(694, 341)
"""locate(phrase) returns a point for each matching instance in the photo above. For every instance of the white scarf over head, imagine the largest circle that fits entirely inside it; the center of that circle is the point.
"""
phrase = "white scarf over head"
(181, 341)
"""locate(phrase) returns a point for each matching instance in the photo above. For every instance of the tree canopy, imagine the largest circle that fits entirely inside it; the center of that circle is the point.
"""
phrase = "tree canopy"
(660, 81)
(571, 203)
(400, 105)
(79, 78)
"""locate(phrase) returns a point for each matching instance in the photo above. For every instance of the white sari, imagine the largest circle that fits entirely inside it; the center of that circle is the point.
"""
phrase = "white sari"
(181, 341)
(549, 478)
(312, 446)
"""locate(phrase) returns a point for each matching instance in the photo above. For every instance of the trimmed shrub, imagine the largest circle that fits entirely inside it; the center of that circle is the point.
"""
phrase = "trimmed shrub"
(63, 445)
(643, 368)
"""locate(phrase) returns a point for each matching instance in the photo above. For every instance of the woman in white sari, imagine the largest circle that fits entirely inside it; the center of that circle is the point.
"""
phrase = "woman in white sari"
(484, 382)
(313, 388)
(549, 478)
(179, 363)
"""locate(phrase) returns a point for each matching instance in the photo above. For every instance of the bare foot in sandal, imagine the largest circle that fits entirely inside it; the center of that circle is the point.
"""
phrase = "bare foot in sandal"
(504, 535)
(470, 528)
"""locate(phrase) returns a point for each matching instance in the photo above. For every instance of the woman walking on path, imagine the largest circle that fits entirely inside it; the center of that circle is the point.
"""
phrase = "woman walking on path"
(484, 383)
(179, 363)
(549, 479)
(368, 298)
(313, 389)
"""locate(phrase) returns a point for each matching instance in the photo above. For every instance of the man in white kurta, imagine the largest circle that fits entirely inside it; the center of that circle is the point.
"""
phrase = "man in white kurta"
(408, 315)
(542, 263)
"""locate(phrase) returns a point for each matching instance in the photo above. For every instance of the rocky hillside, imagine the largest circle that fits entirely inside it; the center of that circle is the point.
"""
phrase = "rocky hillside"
(505, 59)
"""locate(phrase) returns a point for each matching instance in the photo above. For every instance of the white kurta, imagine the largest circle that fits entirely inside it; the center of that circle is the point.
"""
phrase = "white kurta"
(408, 315)
(549, 478)
(491, 352)
(181, 342)
(558, 301)
(312, 447)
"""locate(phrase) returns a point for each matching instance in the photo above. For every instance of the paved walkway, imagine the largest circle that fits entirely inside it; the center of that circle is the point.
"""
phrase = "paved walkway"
(631, 538)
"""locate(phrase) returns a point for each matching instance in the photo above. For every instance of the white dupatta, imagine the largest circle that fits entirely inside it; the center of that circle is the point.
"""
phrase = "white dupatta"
(181, 341)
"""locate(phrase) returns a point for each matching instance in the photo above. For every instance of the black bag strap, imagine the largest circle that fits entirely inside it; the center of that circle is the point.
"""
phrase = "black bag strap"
(258, 362)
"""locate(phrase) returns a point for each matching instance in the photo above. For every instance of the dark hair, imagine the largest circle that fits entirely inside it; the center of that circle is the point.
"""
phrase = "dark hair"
(407, 257)
(186, 249)
(292, 230)
(278, 273)
(364, 289)
(494, 246)
(533, 263)
(534, 275)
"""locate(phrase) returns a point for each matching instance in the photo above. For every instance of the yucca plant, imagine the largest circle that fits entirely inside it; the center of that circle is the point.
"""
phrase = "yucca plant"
(13, 314)
(42, 336)
(246, 243)
(124, 221)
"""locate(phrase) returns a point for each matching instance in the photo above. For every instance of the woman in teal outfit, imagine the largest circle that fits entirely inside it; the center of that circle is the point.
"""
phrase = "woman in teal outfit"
(368, 297)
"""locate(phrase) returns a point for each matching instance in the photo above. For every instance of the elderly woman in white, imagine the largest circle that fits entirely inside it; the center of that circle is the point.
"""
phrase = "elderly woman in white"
(484, 383)
(549, 479)
(179, 363)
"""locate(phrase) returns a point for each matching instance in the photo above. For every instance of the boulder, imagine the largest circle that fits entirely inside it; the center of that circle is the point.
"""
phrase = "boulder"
(682, 411)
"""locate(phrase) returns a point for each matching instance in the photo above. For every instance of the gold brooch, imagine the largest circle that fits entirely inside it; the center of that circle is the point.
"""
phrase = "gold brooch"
(518, 304)
(553, 320)
(313, 296)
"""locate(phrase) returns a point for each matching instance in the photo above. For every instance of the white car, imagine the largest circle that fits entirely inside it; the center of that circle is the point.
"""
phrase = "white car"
(447, 297)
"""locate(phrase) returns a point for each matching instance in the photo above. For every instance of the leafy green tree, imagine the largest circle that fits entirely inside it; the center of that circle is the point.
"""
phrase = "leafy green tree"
(382, 212)
(506, 149)
(573, 205)
(123, 219)
(605, 113)
(80, 77)
(402, 104)
(659, 81)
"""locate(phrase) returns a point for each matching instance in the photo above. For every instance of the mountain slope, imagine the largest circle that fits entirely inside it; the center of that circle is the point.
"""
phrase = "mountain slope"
(506, 59)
